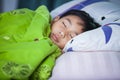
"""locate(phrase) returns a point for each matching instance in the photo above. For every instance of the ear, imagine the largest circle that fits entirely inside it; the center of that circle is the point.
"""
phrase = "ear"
(56, 18)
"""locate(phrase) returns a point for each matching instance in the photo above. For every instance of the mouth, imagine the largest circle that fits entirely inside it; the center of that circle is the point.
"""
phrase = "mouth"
(54, 37)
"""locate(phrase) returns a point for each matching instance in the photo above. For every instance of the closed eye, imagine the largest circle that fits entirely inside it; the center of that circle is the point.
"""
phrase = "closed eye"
(71, 36)
(64, 24)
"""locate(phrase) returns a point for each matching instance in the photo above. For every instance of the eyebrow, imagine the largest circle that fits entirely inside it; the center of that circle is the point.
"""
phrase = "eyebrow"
(69, 21)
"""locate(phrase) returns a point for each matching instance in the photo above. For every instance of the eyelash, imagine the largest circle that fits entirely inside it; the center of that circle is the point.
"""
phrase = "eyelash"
(71, 36)
(64, 24)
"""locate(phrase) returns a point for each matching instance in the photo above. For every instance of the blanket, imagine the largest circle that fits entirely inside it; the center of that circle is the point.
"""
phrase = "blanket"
(26, 52)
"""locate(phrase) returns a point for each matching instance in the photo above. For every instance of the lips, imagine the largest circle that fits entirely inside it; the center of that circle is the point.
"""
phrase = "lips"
(54, 37)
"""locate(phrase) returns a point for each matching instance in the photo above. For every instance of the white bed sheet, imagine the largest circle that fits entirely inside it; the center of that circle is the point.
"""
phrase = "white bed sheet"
(87, 66)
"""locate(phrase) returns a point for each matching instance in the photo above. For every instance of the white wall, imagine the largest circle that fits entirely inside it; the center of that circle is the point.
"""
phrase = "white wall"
(9, 5)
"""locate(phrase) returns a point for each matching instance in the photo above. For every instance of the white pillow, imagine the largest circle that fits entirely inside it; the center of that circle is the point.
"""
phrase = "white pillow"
(65, 7)
(103, 11)
(105, 38)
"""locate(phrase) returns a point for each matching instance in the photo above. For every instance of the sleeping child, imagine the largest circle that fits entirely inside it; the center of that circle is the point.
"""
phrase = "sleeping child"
(30, 41)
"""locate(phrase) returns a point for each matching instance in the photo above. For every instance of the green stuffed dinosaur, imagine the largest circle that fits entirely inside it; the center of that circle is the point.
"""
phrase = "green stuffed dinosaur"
(26, 52)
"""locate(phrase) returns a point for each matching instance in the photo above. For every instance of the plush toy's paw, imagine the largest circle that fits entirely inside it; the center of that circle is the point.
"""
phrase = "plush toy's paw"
(16, 71)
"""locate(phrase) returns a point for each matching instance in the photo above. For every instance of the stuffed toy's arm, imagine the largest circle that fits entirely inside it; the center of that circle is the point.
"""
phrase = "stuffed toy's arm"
(44, 70)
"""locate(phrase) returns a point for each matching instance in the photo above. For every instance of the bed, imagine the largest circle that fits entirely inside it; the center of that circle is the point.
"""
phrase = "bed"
(97, 55)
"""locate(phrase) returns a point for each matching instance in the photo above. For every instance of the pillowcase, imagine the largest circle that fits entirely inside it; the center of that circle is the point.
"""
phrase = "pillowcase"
(103, 11)
(75, 4)
(105, 38)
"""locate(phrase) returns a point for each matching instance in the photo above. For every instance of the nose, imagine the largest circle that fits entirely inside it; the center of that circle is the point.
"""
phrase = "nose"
(62, 34)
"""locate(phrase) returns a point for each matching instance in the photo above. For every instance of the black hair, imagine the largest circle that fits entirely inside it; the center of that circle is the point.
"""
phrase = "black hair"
(88, 20)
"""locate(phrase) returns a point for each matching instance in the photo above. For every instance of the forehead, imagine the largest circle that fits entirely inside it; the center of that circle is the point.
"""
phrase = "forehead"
(75, 23)
(73, 18)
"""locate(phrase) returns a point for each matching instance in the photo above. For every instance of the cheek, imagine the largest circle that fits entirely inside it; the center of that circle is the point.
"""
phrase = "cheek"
(79, 29)
(54, 28)
(61, 45)
(63, 42)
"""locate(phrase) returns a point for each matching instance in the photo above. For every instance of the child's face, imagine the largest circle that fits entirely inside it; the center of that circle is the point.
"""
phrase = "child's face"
(63, 29)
